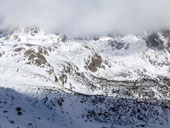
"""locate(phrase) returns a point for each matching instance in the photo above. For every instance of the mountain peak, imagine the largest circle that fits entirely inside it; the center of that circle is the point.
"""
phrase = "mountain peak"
(48, 71)
(29, 30)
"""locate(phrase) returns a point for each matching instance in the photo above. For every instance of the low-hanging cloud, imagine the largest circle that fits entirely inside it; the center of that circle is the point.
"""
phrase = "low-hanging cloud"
(86, 17)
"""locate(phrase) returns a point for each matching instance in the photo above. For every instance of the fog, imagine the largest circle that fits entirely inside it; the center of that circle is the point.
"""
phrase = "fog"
(86, 17)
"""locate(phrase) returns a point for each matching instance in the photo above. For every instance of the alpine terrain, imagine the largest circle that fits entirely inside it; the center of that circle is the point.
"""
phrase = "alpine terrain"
(115, 81)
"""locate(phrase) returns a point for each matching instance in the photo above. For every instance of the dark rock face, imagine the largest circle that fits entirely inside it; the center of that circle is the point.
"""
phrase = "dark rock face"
(64, 38)
(117, 45)
(154, 41)
(36, 58)
(166, 34)
(96, 62)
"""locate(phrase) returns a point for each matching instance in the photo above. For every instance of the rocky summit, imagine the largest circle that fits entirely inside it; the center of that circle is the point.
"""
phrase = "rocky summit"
(115, 81)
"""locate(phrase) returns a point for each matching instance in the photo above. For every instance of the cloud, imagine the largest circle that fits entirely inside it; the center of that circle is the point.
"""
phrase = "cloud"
(86, 17)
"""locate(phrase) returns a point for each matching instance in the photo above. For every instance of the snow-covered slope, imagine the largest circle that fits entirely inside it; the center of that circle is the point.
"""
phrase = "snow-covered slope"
(48, 80)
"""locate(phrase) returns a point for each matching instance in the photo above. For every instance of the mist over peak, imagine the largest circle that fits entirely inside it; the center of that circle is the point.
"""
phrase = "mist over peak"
(84, 64)
(90, 17)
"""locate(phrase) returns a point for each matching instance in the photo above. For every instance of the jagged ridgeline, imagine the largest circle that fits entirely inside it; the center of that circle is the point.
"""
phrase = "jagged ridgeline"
(116, 81)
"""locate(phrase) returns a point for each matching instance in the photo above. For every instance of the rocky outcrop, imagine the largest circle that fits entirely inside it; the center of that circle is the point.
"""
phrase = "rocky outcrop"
(104, 82)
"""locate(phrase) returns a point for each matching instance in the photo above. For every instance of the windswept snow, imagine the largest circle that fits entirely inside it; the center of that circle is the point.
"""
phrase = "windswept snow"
(107, 82)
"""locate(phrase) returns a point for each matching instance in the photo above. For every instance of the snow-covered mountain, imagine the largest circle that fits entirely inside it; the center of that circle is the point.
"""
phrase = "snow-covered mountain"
(117, 81)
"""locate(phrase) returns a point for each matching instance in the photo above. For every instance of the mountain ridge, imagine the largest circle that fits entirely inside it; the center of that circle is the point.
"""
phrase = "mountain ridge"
(99, 74)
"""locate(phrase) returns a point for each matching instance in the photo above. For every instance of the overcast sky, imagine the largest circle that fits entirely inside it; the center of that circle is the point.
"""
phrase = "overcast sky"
(85, 17)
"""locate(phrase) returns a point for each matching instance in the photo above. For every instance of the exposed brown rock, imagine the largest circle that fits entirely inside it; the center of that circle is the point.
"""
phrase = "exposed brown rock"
(95, 63)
